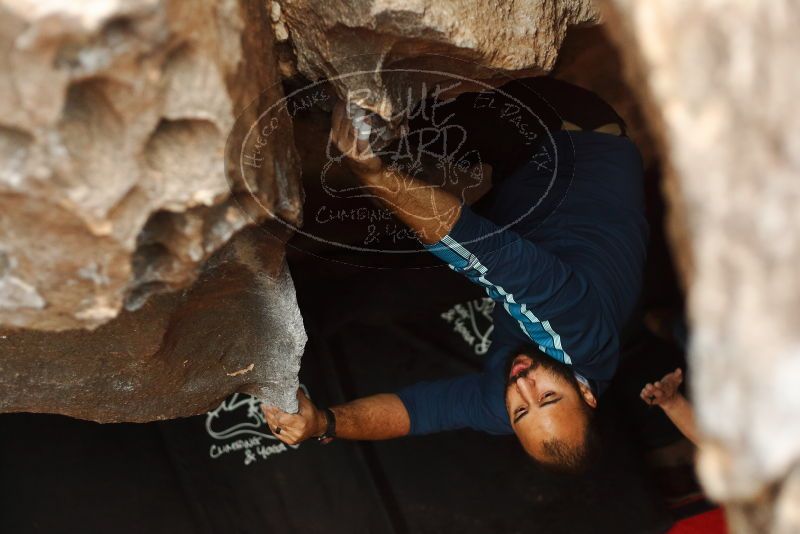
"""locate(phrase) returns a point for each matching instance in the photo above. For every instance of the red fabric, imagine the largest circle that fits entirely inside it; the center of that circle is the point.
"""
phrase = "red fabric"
(711, 522)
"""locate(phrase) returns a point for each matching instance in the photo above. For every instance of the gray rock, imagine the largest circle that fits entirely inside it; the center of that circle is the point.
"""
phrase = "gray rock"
(237, 329)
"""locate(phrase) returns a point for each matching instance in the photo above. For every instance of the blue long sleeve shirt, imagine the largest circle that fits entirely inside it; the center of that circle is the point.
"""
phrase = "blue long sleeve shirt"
(560, 246)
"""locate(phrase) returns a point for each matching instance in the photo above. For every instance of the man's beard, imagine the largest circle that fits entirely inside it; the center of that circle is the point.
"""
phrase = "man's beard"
(539, 359)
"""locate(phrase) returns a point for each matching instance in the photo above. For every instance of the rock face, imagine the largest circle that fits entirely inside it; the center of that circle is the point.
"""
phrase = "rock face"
(237, 329)
(477, 39)
(720, 82)
(117, 192)
(113, 124)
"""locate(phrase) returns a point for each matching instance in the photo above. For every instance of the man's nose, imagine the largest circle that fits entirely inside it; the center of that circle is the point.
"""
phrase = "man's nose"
(526, 386)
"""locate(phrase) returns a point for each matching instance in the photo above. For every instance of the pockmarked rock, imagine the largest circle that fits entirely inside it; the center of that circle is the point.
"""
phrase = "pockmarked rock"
(113, 125)
(237, 329)
(352, 42)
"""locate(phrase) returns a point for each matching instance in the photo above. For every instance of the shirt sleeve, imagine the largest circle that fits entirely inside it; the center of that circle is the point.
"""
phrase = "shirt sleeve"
(549, 300)
(468, 401)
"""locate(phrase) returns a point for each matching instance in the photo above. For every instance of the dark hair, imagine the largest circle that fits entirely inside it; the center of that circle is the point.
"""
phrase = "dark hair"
(564, 458)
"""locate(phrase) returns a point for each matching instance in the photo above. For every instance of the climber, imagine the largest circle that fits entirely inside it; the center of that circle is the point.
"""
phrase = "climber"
(567, 281)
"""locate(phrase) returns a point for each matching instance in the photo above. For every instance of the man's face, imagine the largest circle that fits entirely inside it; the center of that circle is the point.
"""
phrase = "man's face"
(546, 403)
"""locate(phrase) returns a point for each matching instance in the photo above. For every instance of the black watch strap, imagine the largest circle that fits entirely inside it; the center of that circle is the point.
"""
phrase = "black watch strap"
(330, 429)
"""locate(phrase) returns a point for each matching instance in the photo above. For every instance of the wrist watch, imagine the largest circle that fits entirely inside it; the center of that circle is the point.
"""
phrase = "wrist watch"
(330, 429)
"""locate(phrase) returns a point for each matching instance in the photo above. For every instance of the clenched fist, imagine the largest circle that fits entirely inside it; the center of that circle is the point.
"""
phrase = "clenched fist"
(350, 132)
(292, 429)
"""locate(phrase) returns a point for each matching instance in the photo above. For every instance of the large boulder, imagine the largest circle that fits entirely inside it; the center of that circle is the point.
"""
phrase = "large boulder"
(133, 283)
(719, 81)
(113, 124)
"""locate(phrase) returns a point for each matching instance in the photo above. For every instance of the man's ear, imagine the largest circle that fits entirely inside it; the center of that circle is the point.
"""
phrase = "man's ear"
(587, 394)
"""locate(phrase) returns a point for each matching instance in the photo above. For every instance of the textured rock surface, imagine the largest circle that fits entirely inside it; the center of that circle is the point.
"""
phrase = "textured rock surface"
(720, 83)
(116, 187)
(237, 329)
(113, 122)
(480, 39)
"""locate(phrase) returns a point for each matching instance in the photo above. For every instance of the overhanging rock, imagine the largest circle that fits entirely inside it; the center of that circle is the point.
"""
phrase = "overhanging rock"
(237, 329)
(387, 40)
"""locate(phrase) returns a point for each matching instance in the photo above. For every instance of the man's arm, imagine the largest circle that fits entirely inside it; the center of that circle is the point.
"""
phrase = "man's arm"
(375, 417)
(473, 400)
(428, 210)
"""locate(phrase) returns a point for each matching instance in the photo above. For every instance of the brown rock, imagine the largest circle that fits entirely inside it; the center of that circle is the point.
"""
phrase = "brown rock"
(113, 127)
(477, 39)
(719, 81)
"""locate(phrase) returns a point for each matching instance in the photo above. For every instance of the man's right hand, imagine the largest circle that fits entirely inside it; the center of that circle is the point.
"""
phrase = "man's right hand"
(355, 147)
(308, 422)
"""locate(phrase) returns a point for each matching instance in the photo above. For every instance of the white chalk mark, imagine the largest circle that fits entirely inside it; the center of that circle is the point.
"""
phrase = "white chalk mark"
(242, 371)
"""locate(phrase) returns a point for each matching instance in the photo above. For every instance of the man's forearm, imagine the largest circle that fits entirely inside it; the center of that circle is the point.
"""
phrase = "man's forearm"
(428, 210)
(372, 418)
